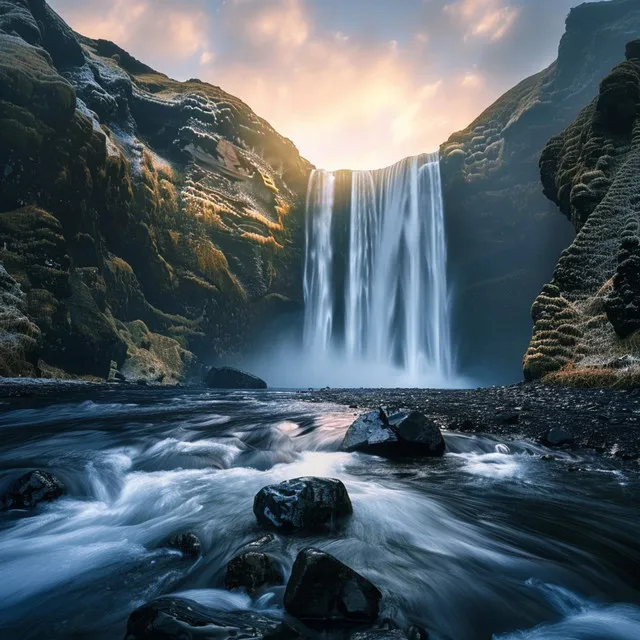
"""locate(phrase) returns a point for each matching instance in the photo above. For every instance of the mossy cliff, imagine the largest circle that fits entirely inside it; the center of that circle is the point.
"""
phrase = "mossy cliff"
(587, 318)
(504, 235)
(144, 222)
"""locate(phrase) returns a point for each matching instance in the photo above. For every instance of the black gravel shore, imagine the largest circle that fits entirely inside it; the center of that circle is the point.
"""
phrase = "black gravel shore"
(602, 420)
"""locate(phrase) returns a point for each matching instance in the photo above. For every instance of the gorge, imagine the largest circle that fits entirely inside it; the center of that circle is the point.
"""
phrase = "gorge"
(466, 463)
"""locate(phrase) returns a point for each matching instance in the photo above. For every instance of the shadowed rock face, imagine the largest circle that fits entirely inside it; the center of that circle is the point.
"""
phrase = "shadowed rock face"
(323, 590)
(586, 318)
(144, 220)
(504, 235)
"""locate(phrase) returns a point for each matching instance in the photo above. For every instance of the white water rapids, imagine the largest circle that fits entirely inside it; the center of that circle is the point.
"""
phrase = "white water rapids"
(377, 305)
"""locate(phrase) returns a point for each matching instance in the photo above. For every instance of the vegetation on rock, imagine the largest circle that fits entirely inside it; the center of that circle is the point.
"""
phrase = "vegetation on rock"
(585, 329)
(133, 208)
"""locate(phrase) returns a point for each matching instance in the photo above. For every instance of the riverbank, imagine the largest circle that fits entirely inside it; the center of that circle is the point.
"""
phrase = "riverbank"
(603, 420)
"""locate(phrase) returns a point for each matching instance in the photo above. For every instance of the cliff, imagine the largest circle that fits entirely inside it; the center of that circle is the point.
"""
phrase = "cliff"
(504, 235)
(144, 222)
(586, 319)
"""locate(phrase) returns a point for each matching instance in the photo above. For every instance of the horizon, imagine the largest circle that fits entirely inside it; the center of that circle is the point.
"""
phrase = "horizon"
(335, 82)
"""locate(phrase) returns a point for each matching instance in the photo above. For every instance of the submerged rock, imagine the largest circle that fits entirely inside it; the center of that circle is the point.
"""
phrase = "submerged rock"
(402, 435)
(229, 378)
(303, 504)
(32, 489)
(557, 437)
(253, 571)
(323, 589)
(182, 619)
(186, 543)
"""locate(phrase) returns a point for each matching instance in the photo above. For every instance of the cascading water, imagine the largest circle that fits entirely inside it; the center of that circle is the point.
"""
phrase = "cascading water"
(392, 274)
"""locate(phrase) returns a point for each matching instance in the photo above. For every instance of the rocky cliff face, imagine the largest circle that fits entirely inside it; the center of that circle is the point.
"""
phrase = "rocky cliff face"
(143, 222)
(504, 235)
(586, 319)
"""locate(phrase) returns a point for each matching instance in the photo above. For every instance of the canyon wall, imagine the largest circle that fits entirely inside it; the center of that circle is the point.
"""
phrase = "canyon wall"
(145, 224)
(505, 236)
(586, 319)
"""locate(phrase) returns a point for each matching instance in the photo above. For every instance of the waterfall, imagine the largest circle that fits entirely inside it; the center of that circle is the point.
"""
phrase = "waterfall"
(377, 300)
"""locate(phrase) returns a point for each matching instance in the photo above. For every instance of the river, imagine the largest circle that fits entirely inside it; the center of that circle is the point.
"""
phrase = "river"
(489, 542)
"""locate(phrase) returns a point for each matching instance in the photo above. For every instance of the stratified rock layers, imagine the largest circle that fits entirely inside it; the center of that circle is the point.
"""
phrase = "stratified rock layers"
(586, 318)
(504, 235)
(143, 220)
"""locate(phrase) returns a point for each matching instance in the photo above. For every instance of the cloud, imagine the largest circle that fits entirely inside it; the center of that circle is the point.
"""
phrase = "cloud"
(354, 84)
(153, 29)
(486, 18)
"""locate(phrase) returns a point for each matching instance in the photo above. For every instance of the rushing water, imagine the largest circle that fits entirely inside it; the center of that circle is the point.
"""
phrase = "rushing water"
(389, 303)
(488, 542)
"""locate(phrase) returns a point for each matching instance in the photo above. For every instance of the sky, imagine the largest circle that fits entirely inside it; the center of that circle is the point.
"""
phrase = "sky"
(356, 84)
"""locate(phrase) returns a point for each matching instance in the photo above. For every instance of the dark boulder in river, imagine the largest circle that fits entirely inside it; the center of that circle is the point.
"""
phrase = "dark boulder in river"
(186, 543)
(253, 571)
(32, 489)
(324, 590)
(557, 437)
(303, 504)
(229, 378)
(402, 435)
(178, 618)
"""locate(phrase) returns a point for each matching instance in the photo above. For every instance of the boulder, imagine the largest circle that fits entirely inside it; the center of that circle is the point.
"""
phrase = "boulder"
(182, 619)
(303, 504)
(229, 378)
(32, 489)
(403, 435)
(253, 571)
(557, 437)
(186, 543)
(324, 590)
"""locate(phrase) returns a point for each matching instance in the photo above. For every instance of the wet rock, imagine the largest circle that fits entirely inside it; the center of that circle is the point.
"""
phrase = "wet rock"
(182, 619)
(32, 489)
(557, 437)
(229, 378)
(186, 543)
(401, 435)
(253, 571)
(324, 590)
(303, 504)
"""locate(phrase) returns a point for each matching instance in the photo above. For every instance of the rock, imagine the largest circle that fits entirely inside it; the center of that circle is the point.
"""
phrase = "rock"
(229, 378)
(303, 504)
(633, 50)
(253, 571)
(32, 489)
(402, 435)
(557, 437)
(322, 589)
(182, 619)
(186, 543)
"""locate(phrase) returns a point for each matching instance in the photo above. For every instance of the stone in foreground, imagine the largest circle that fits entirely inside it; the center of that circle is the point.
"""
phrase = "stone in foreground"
(187, 543)
(253, 571)
(182, 619)
(32, 489)
(557, 437)
(303, 504)
(324, 590)
(229, 378)
(402, 435)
